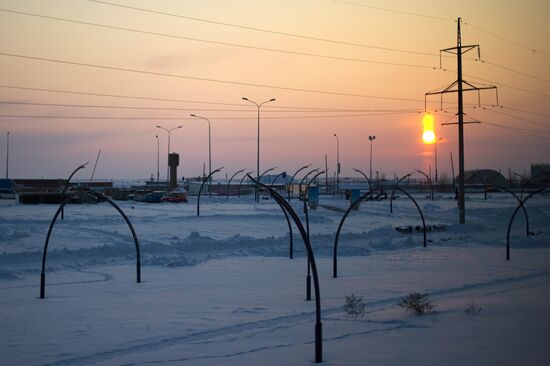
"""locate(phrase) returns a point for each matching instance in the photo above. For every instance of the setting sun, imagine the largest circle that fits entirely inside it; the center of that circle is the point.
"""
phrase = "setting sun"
(428, 137)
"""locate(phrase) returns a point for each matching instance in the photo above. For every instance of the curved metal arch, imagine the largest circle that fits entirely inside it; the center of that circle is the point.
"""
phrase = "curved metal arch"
(294, 175)
(393, 189)
(355, 203)
(291, 245)
(363, 197)
(527, 182)
(485, 183)
(257, 197)
(66, 186)
(305, 199)
(522, 206)
(200, 190)
(241, 182)
(419, 211)
(67, 200)
(429, 182)
(514, 215)
(305, 179)
(365, 176)
(276, 177)
(318, 325)
(230, 179)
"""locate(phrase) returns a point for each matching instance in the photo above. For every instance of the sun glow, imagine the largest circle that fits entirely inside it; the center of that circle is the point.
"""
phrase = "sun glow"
(428, 136)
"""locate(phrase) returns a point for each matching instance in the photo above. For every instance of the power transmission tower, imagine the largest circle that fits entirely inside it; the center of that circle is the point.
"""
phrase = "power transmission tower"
(458, 87)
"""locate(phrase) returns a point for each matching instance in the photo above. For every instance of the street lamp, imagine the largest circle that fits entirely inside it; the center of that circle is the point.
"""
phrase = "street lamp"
(158, 158)
(168, 162)
(337, 162)
(7, 153)
(435, 156)
(258, 152)
(209, 143)
(371, 139)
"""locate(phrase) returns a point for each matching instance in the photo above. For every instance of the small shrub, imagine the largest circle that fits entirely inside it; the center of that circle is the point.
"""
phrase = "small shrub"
(417, 304)
(354, 306)
(472, 309)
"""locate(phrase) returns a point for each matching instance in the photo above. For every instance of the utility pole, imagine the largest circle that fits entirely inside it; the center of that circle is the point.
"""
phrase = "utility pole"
(458, 87)
(326, 174)
(158, 158)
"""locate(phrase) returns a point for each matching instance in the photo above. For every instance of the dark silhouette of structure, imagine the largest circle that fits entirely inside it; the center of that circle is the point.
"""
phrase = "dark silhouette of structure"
(457, 86)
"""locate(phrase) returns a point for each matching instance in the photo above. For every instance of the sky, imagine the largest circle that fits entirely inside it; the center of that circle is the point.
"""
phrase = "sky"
(79, 76)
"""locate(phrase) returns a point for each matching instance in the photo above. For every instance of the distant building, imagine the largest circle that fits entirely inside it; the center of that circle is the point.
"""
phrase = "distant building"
(484, 177)
(538, 169)
(542, 174)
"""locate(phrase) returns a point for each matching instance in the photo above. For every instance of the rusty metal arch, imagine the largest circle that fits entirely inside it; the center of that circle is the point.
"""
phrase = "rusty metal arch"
(522, 202)
(352, 206)
(99, 196)
(318, 325)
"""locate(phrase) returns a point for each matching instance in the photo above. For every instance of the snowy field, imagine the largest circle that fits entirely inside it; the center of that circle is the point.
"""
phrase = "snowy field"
(219, 289)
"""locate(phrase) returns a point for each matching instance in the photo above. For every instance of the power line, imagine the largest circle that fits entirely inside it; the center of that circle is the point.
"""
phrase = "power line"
(199, 109)
(190, 119)
(531, 49)
(519, 118)
(515, 71)
(402, 12)
(526, 131)
(173, 100)
(515, 130)
(267, 49)
(498, 83)
(525, 111)
(265, 30)
(196, 78)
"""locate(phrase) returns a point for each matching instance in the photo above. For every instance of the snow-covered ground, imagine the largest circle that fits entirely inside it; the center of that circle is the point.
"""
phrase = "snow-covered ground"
(219, 289)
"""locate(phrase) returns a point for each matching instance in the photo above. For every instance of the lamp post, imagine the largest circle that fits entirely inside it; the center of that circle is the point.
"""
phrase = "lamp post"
(337, 162)
(258, 151)
(371, 139)
(435, 156)
(158, 158)
(7, 153)
(167, 162)
(209, 143)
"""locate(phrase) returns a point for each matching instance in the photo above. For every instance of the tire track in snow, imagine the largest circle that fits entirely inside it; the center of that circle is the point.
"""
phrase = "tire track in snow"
(267, 325)
(104, 277)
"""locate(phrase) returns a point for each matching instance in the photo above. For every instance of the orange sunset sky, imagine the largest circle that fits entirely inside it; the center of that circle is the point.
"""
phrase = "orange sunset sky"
(352, 68)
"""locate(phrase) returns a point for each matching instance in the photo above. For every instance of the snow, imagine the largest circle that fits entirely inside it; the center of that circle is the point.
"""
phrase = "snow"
(220, 288)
